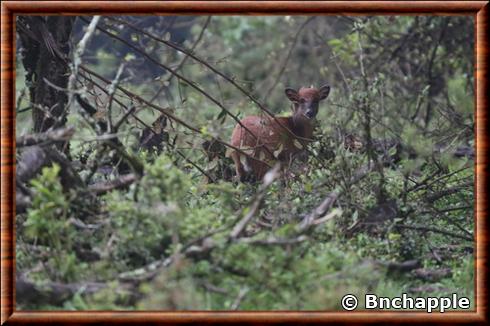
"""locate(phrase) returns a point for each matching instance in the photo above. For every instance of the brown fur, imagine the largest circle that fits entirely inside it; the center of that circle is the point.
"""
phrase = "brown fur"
(270, 136)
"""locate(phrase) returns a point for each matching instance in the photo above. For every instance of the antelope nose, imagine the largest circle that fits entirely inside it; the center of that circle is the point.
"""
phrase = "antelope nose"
(310, 114)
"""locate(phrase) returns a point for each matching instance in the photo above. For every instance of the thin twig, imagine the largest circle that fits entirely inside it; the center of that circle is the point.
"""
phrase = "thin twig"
(213, 69)
(167, 113)
(288, 56)
(180, 77)
(181, 64)
(196, 166)
(435, 230)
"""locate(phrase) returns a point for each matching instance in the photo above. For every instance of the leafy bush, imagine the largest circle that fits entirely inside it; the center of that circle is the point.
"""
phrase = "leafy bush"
(393, 145)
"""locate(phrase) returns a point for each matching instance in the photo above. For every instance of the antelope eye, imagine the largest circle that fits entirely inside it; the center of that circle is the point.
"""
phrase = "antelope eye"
(302, 100)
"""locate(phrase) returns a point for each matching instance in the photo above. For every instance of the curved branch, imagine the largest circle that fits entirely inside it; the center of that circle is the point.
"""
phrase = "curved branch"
(179, 76)
(213, 69)
(170, 115)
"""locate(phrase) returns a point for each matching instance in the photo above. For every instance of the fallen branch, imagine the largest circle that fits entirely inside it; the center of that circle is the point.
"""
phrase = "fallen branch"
(45, 138)
(30, 163)
(432, 275)
(273, 240)
(35, 157)
(121, 182)
(394, 266)
(54, 293)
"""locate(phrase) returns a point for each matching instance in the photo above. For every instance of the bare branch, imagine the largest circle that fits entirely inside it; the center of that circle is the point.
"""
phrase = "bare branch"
(47, 137)
(181, 64)
(77, 56)
(268, 179)
(112, 90)
(310, 219)
(221, 74)
(241, 295)
(288, 56)
(121, 182)
(273, 240)
(186, 80)
(435, 230)
(167, 113)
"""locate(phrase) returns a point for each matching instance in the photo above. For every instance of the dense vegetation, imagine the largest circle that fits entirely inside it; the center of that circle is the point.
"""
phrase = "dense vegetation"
(126, 195)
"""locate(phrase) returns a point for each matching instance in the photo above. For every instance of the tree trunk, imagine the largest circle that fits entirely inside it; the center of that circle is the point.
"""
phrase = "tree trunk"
(45, 57)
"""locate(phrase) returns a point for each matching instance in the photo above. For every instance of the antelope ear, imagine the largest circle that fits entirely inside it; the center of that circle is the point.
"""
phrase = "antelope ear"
(324, 91)
(292, 94)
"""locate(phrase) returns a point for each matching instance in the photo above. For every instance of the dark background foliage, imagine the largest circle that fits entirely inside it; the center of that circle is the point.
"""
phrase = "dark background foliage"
(126, 195)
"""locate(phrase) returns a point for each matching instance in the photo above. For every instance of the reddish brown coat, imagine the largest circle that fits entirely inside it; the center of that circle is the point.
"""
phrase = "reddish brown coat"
(271, 141)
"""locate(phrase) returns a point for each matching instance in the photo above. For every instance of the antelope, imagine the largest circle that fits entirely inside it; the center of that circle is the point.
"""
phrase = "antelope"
(267, 139)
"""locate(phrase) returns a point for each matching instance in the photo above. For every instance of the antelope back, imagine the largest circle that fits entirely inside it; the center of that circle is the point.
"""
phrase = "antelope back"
(266, 139)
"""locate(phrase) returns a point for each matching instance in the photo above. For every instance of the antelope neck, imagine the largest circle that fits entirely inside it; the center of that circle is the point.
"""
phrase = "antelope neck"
(300, 126)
